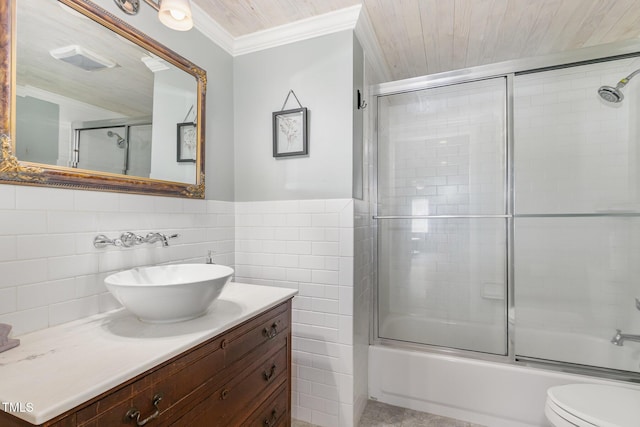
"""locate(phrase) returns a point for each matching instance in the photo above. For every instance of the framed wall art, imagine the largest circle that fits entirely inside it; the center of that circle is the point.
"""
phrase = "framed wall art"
(187, 142)
(290, 133)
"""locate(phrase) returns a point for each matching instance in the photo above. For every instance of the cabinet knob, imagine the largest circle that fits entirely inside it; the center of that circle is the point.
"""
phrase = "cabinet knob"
(224, 394)
(268, 422)
(134, 413)
(268, 375)
(272, 331)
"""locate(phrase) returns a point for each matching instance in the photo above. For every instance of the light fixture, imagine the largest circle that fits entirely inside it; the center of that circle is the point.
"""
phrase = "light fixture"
(175, 14)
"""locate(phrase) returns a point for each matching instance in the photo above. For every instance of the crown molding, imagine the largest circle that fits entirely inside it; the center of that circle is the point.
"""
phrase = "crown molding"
(371, 46)
(212, 30)
(328, 23)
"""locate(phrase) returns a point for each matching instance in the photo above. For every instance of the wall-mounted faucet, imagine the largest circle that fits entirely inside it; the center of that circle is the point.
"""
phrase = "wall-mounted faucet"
(129, 239)
(619, 338)
(158, 237)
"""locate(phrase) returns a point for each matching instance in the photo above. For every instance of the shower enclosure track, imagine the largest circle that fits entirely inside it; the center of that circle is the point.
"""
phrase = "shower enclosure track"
(438, 216)
(550, 215)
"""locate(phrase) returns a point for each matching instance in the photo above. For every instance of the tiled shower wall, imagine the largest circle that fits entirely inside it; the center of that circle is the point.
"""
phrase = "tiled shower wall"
(308, 245)
(50, 273)
(577, 155)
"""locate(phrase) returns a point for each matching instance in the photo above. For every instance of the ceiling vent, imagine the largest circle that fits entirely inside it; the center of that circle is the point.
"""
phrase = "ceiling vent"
(82, 58)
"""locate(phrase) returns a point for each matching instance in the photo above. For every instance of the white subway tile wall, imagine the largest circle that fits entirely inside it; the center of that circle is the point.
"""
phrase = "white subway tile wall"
(573, 151)
(575, 154)
(308, 245)
(363, 270)
(50, 271)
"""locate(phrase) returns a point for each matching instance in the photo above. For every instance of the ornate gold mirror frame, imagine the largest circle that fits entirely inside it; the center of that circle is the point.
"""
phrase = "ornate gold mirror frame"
(14, 171)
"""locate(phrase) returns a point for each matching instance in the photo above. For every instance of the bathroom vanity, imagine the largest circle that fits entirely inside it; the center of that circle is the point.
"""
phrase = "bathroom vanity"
(231, 366)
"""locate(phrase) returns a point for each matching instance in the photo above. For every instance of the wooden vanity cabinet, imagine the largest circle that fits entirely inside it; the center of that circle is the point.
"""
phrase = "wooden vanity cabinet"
(239, 378)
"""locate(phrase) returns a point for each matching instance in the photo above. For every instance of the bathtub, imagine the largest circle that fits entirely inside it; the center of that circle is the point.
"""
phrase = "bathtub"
(492, 394)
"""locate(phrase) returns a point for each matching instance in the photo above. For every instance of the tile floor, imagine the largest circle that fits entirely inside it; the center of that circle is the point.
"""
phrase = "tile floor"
(378, 414)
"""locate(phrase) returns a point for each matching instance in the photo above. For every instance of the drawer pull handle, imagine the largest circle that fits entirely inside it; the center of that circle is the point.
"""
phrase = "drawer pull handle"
(134, 413)
(271, 332)
(268, 422)
(223, 344)
(268, 375)
(224, 394)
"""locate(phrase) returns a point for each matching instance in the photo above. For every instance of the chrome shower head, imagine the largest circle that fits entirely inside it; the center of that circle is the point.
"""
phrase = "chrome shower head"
(120, 141)
(614, 94)
(610, 94)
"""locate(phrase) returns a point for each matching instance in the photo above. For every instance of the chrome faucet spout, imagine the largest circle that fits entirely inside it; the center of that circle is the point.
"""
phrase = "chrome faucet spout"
(619, 338)
(159, 237)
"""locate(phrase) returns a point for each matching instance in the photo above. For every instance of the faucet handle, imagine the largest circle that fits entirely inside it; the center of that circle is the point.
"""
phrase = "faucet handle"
(130, 239)
(101, 241)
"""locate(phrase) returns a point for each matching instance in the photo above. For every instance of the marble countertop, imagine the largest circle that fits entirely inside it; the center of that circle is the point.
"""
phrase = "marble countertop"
(56, 369)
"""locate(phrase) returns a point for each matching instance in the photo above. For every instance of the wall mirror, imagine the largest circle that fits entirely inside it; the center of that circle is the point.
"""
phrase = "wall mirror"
(90, 102)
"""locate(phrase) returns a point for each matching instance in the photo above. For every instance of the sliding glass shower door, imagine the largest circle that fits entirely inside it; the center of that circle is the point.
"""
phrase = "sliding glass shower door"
(577, 216)
(443, 216)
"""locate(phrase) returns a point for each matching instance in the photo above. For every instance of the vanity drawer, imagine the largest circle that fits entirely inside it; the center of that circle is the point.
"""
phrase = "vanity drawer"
(231, 403)
(172, 382)
(182, 382)
(273, 412)
(263, 329)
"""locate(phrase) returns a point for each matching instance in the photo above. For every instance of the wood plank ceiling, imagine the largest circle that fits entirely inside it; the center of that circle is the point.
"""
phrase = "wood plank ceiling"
(421, 37)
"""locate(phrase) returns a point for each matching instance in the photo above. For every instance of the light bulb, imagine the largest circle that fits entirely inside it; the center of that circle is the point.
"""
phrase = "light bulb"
(177, 15)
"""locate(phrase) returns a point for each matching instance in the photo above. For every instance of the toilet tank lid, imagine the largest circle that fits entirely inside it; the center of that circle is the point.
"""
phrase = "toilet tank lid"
(599, 404)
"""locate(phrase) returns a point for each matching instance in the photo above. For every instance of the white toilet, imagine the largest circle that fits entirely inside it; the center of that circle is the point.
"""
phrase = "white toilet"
(592, 405)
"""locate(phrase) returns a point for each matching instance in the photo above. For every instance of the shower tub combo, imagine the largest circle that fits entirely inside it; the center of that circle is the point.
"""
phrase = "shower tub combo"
(508, 234)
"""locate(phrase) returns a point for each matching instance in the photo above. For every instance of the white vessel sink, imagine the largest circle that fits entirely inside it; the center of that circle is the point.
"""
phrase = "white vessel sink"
(169, 293)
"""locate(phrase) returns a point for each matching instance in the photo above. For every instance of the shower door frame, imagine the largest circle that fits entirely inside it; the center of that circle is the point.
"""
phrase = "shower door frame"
(508, 70)
(79, 126)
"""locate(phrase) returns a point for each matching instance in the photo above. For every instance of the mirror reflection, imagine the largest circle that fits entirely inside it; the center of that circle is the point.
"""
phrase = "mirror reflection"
(90, 99)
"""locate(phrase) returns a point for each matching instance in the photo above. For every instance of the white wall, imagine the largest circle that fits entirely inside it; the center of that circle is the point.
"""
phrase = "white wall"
(319, 70)
(363, 232)
(174, 95)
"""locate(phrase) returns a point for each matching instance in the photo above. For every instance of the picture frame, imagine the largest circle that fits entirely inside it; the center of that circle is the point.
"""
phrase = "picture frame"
(290, 137)
(187, 142)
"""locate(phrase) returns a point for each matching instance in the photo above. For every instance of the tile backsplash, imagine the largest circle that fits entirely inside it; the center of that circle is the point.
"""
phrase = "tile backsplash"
(50, 271)
(308, 245)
